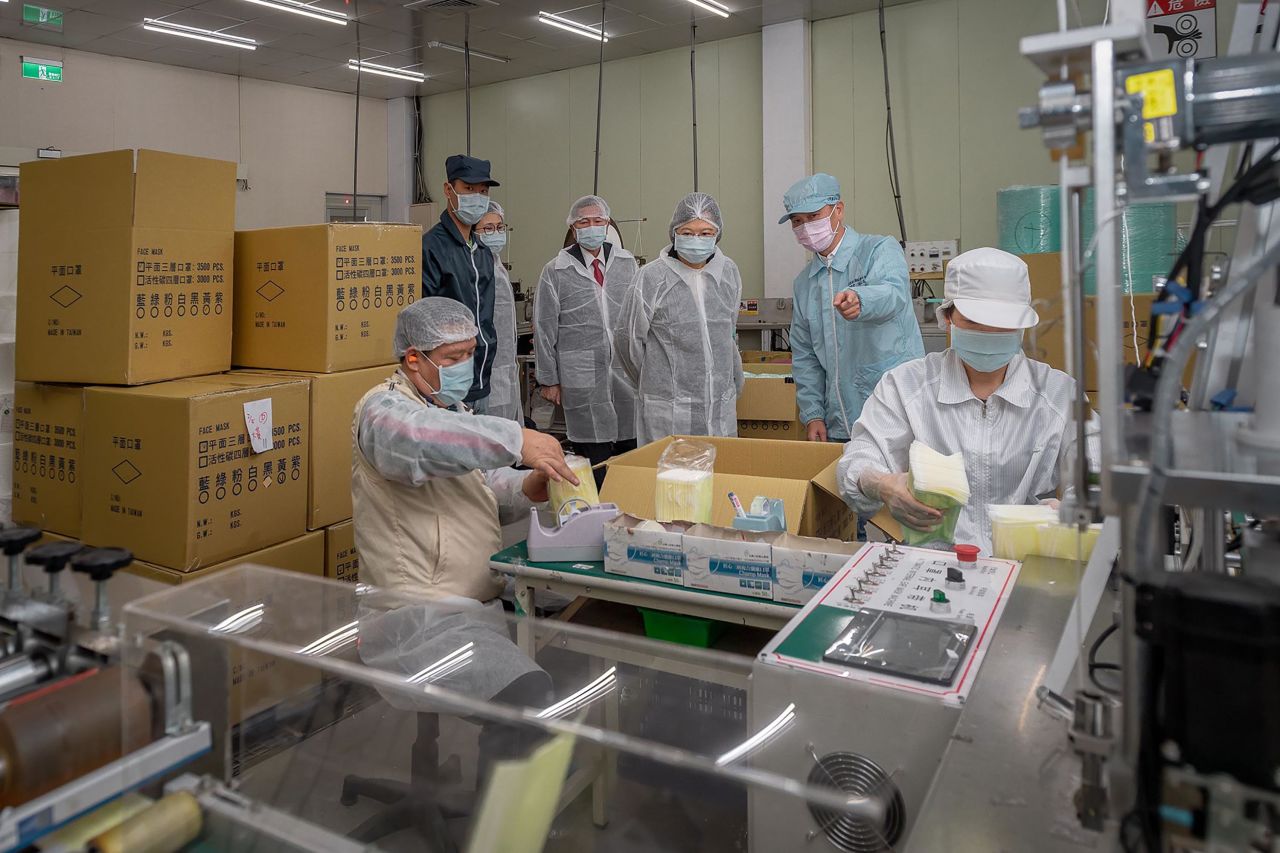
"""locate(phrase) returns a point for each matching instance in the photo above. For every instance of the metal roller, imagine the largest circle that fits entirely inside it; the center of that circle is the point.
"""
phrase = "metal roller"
(21, 672)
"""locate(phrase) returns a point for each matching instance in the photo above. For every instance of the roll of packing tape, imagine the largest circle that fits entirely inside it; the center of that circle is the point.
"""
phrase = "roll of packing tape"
(168, 826)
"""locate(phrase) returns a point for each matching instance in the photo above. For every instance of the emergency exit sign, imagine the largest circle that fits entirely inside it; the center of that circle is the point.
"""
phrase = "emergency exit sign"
(49, 70)
(39, 16)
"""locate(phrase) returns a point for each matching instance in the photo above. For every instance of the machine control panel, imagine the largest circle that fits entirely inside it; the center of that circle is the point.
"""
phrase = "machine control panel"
(910, 618)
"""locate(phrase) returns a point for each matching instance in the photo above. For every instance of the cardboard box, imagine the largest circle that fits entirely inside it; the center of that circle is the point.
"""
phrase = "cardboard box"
(304, 554)
(341, 560)
(170, 472)
(730, 561)
(323, 298)
(802, 565)
(767, 407)
(802, 474)
(47, 435)
(1045, 342)
(124, 268)
(333, 402)
(648, 555)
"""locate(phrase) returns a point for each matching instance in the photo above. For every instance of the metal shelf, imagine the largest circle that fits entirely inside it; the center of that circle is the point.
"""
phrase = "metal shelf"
(1211, 466)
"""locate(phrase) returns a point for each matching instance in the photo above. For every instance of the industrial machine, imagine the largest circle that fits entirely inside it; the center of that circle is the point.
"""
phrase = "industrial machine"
(1167, 761)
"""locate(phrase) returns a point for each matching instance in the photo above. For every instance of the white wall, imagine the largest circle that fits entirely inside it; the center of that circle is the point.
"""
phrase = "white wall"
(296, 141)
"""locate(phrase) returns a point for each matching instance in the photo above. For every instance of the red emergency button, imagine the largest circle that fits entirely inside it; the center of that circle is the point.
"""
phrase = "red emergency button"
(966, 553)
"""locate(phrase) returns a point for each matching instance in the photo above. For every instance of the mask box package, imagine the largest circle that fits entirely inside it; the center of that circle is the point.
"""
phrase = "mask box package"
(802, 565)
(323, 298)
(800, 473)
(765, 357)
(767, 405)
(333, 402)
(730, 561)
(174, 473)
(124, 268)
(341, 560)
(633, 548)
(1045, 342)
(48, 432)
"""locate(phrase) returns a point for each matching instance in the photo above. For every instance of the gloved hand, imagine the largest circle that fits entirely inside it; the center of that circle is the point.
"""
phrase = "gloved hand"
(542, 452)
(816, 430)
(894, 492)
(848, 304)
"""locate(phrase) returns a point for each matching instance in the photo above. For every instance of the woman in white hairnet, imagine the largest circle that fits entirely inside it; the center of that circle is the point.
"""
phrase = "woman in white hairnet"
(1008, 415)
(677, 331)
(504, 382)
(428, 477)
(579, 294)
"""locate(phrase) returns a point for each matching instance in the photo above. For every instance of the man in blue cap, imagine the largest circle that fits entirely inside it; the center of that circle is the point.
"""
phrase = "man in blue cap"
(457, 266)
(853, 318)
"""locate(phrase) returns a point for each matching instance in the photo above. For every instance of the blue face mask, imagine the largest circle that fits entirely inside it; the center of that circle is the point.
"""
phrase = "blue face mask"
(455, 381)
(695, 250)
(471, 207)
(985, 352)
(496, 241)
(592, 237)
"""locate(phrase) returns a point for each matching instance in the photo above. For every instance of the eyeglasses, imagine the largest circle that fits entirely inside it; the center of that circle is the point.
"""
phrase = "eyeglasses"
(689, 232)
(493, 229)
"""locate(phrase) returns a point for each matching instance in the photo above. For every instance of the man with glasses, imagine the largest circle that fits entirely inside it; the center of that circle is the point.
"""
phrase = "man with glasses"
(457, 266)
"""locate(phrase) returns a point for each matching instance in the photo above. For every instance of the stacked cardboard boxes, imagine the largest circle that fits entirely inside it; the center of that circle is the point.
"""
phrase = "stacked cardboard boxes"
(318, 304)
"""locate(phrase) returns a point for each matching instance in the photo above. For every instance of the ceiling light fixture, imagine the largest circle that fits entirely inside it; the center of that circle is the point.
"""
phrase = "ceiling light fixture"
(386, 70)
(712, 6)
(457, 48)
(303, 9)
(572, 26)
(196, 33)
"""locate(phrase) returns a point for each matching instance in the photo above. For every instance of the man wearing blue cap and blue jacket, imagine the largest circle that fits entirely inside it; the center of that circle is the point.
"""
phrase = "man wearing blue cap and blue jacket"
(457, 266)
(853, 318)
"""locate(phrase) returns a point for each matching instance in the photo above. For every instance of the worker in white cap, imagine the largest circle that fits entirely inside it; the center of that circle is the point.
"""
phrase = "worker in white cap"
(1008, 415)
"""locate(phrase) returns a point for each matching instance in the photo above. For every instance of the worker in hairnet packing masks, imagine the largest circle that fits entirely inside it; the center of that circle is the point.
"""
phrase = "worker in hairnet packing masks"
(580, 292)
(1008, 415)
(852, 317)
(504, 381)
(679, 327)
(429, 477)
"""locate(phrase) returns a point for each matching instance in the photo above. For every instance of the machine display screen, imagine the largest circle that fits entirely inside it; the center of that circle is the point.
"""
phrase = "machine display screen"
(903, 645)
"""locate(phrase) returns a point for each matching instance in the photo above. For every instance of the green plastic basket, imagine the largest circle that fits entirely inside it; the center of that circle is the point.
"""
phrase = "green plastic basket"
(686, 630)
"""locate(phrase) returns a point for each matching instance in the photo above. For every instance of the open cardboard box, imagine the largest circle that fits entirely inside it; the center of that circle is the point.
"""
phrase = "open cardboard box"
(767, 407)
(802, 474)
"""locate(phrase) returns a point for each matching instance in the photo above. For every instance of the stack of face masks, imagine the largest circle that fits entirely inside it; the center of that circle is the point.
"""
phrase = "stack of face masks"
(565, 496)
(940, 482)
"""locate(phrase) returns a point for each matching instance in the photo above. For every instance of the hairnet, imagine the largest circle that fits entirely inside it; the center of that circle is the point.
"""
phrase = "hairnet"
(696, 206)
(433, 322)
(494, 207)
(575, 211)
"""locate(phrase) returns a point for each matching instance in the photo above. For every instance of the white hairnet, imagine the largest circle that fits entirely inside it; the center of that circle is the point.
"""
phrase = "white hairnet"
(575, 212)
(433, 322)
(696, 206)
(494, 207)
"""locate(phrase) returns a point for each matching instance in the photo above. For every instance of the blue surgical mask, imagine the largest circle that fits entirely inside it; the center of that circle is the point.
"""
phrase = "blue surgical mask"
(496, 241)
(471, 206)
(591, 237)
(985, 352)
(695, 250)
(455, 381)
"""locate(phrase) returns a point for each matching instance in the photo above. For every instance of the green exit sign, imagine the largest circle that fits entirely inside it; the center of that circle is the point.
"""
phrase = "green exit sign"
(39, 16)
(41, 69)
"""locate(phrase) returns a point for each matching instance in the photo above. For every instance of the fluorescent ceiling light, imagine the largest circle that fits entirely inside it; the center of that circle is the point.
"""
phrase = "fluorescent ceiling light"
(196, 33)
(303, 9)
(386, 70)
(457, 48)
(711, 6)
(572, 26)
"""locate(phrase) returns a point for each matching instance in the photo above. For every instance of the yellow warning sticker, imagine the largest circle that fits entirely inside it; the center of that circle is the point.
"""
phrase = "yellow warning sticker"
(1159, 92)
